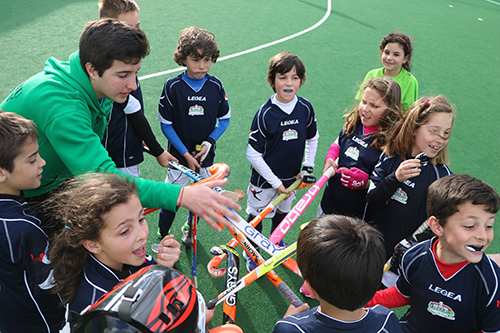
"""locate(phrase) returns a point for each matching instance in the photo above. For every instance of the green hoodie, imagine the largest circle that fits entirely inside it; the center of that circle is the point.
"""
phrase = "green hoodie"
(70, 121)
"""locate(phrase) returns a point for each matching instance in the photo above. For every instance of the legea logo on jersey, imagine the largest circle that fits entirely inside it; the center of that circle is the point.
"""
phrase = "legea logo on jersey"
(290, 134)
(352, 152)
(360, 142)
(197, 98)
(400, 196)
(196, 111)
(441, 310)
(289, 122)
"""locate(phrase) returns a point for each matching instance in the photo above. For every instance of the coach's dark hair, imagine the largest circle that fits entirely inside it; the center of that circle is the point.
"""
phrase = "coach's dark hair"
(197, 42)
(80, 206)
(342, 258)
(282, 63)
(15, 132)
(106, 40)
(390, 91)
(447, 193)
(401, 39)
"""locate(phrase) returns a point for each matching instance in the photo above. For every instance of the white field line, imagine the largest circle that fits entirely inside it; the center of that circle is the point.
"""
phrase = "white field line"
(496, 3)
(257, 48)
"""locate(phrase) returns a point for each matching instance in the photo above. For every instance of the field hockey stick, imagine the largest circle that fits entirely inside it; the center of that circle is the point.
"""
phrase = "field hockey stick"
(299, 208)
(271, 275)
(233, 271)
(239, 223)
(268, 265)
(420, 229)
(194, 231)
(220, 173)
(213, 264)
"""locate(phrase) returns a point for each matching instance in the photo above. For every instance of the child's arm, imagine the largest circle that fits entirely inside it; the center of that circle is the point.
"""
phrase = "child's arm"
(384, 183)
(408, 169)
(331, 156)
(390, 298)
(142, 127)
(258, 163)
(207, 144)
(174, 139)
(292, 310)
(310, 150)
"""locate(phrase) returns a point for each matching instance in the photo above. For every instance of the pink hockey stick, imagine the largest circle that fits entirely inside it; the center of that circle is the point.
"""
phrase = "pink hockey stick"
(299, 208)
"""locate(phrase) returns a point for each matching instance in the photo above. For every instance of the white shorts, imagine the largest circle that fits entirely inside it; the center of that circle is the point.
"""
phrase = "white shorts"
(132, 170)
(175, 176)
(258, 199)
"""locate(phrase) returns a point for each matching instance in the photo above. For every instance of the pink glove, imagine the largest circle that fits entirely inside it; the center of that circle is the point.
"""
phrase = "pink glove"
(353, 178)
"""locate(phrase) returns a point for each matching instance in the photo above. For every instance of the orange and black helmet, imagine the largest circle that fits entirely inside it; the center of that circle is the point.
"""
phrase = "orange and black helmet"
(154, 299)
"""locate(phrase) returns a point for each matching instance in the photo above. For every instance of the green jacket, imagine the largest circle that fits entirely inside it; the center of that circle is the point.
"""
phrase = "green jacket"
(70, 121)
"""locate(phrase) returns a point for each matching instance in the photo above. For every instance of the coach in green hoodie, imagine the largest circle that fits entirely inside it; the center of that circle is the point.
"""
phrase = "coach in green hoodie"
(69, 103)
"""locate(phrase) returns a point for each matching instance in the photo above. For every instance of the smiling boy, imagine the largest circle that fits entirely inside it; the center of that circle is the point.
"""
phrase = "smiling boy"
(450, 285)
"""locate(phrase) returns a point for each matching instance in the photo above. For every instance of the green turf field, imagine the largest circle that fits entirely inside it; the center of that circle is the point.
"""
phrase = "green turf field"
(456, 54)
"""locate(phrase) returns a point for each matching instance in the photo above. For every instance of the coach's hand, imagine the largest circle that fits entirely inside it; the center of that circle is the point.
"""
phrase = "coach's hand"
(206, 203)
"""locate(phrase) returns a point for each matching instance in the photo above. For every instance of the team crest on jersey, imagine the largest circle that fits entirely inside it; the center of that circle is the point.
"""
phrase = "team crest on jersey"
(290, 134)
(441, 310)
(400, 196)
(196, 111)
(352, 152)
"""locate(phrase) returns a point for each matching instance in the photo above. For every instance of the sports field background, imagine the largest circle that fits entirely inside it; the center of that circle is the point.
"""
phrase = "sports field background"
(457, 53)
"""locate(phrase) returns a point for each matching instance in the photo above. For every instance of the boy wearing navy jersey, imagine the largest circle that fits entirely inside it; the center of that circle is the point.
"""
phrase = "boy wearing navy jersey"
(450, 285)
(340, 259)
(127, 125)
(283, 128)
(25, 273)
(193, 111)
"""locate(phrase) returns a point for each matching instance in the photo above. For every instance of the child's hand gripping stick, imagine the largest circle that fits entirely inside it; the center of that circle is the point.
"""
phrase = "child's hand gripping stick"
(353, 178)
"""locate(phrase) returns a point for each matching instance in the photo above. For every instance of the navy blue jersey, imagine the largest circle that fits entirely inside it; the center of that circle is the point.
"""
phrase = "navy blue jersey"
(404, 205)
(355, 151)
(377, 319)
(26, 304)
(468, 301)
(120, 139)
(281, 139)
(193, 114)
(97, 280)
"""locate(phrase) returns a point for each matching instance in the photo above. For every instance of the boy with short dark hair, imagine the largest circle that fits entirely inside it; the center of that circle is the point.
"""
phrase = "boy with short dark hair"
(127, 125)
(341, 260)
(25, 273)
(193, 111)
(283, 140)
(450, 285)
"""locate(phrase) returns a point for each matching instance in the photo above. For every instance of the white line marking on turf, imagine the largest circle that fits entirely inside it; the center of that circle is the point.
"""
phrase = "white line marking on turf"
(320, 22)
(496, 3)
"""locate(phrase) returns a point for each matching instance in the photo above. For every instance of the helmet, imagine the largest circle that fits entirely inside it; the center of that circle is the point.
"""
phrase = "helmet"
(154, 299)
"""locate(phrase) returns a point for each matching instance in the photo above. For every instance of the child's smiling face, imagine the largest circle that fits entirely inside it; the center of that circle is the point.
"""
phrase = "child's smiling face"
(466, 234)
(393, 57)
(287, 85)
(432, 137)
(124, 237)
